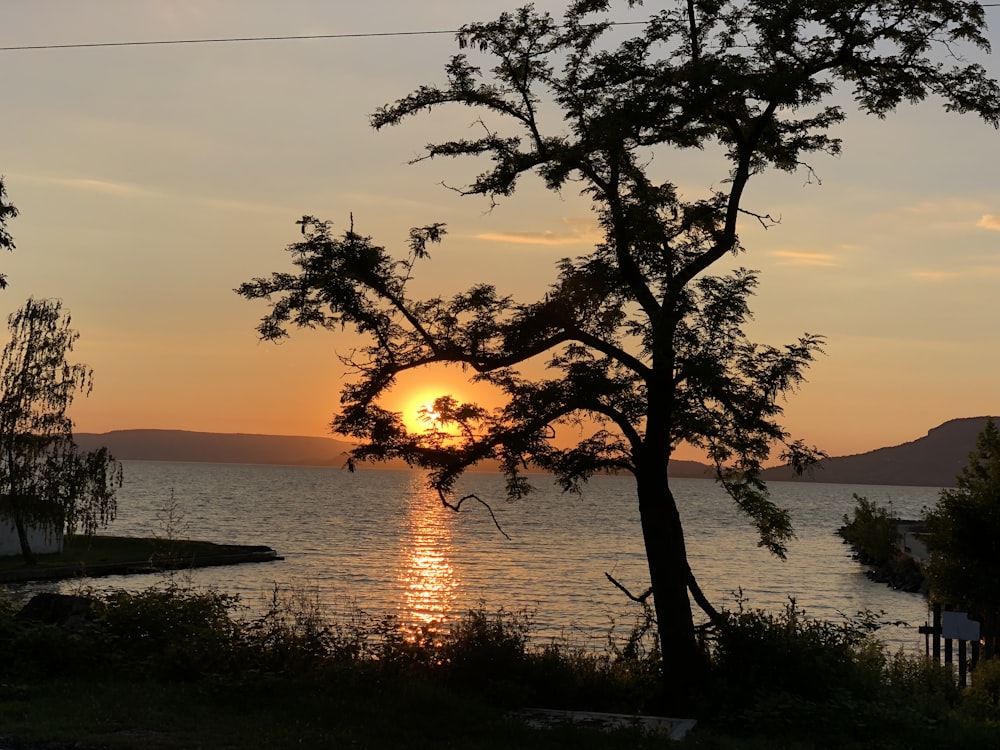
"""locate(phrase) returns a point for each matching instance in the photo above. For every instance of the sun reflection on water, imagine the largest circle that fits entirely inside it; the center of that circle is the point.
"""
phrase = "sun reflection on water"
(427, 576)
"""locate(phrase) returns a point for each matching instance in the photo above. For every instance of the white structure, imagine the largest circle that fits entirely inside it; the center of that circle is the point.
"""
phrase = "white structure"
(43, 539)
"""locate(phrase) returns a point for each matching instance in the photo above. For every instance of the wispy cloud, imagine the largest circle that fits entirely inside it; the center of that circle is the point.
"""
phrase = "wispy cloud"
(948, 215)
(575, 231)
(123, 189)
(805, 258)
(937, 276)
(129, 190)
(974, 273)
(989, 221)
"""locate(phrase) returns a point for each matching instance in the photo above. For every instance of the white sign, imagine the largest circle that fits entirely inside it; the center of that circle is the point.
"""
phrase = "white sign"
(958, 626)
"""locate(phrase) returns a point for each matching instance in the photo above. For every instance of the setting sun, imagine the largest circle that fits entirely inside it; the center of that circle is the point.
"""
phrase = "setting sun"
(418, 411)
(413, 396)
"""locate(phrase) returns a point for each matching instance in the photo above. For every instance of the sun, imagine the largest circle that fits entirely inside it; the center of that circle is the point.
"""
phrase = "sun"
(414, 393)
(418, 412)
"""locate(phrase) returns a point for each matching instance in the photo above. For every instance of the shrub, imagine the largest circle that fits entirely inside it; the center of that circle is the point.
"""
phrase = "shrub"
(927, 687)
(983, 696)
(293, 635)
(172, 632)
(872, 532)
(754, 652)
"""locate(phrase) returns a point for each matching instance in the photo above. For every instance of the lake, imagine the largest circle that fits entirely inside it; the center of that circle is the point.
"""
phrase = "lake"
(381, 541)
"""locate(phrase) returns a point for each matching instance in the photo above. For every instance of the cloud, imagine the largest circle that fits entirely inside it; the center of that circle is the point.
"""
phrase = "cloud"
(128, 190)
(805, 258)
(576, 232)
(989, 221)
(123, 189)
(944, 214)
(975, 273)
(937, 276)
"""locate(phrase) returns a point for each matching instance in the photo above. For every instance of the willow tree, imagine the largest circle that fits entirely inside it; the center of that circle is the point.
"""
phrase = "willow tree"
(46, 481)
(639, 339)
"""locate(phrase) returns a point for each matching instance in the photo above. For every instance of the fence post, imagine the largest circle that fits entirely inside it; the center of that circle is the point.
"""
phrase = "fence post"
(962, 666)
(937, 632)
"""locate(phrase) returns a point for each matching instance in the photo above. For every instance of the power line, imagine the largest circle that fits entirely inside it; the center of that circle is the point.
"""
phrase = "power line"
(226, 40)
(288, 38)
(221, 40)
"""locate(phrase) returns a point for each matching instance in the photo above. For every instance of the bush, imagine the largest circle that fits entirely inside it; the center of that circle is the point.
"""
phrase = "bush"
(488, 643)
(927, 687)
(172, 633)
(755, 652)
(872, 532)
(788, 675)
(294, 636)
(983, 696)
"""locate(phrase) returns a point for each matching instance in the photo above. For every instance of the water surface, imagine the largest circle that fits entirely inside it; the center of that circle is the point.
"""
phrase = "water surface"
(381, 541)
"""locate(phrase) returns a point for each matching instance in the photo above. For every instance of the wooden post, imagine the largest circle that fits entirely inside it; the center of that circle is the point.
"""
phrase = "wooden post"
(962, 666)
(937, 633)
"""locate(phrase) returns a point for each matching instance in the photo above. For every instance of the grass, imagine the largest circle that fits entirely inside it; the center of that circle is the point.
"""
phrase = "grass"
(81, 551)
(277, 714)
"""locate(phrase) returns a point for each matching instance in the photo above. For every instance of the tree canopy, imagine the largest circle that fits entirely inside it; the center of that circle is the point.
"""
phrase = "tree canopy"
(637, 337)
(7, 211)
(963, 537)
(45, 479)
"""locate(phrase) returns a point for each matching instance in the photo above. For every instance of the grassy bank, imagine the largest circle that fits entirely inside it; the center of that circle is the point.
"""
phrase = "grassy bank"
(100, 555)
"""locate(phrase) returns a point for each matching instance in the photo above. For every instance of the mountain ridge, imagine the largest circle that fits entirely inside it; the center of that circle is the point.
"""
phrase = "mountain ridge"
(933, 460)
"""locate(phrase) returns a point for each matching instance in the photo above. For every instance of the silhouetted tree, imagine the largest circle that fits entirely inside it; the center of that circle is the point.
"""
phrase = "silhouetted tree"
(963, 538)
(640, 341)
(45, 479)
(7, 211)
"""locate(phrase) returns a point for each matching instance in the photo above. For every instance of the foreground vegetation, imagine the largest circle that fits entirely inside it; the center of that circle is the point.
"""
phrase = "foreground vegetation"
(174, 668)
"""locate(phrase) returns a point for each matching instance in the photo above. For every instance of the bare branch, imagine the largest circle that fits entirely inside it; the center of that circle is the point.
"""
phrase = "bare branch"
(766, 220)
(641, 598)
(458, 506)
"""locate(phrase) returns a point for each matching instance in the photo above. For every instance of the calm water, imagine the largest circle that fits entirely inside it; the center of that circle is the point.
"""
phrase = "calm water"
(378, 539)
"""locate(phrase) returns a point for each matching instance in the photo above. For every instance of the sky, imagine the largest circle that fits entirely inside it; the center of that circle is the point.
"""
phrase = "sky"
(153, 180)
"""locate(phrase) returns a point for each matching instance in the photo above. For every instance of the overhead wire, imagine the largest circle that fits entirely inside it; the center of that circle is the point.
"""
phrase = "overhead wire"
(282, 38)
(226, 40)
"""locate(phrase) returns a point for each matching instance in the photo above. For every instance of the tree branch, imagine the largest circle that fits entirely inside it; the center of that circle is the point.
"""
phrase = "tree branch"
(458, 506)
(641, 598)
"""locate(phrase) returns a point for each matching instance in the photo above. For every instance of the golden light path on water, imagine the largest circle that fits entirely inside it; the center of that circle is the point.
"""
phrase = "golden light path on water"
(426, 573)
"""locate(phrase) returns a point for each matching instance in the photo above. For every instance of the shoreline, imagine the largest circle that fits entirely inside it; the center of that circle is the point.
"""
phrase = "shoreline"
(207, 555)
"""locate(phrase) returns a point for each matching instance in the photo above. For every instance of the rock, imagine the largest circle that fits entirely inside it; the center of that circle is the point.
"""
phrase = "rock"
(57, 609)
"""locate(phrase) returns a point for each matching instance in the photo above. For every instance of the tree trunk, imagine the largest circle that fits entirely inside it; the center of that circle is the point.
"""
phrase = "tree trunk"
(684, 663)
(22, 536)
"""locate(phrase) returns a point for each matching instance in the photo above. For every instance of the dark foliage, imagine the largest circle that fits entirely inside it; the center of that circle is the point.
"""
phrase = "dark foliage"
(963, 538)
(7, 211)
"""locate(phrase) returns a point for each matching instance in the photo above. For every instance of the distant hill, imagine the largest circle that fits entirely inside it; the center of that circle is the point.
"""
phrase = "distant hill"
(223, 448)
(931, 461)
(214, 447)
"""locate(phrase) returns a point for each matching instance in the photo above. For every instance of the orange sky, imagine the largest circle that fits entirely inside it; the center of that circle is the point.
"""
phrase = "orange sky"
(154, 180)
